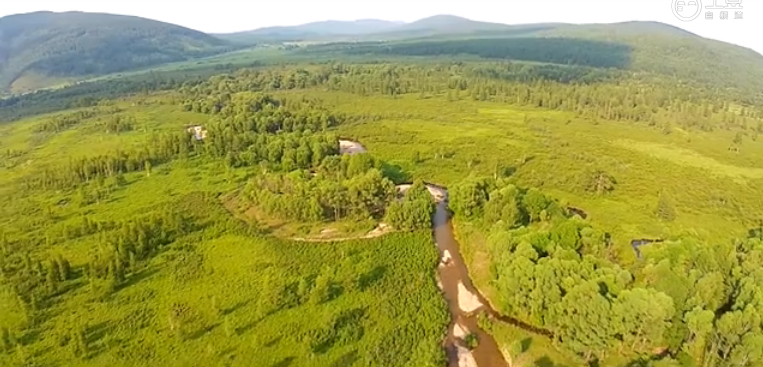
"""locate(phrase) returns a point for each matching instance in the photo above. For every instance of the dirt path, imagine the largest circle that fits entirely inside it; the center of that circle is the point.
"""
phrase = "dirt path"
(379, 231)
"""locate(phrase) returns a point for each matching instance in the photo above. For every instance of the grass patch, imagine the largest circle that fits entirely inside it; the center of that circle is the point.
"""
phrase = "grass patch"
(685, 157)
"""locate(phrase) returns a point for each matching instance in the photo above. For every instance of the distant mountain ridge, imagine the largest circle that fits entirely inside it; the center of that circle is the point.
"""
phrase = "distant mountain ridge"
(37, 48)
(361, 29)
(44, 48)
(312, 30)
(452, 23)
(652, 47)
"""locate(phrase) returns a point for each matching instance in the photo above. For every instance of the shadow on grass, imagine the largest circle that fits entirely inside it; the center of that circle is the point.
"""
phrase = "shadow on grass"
(229, 310)
(30, 336)
(525, 344)
(71, 286)
(201, 332)
(545, 361)
(93, 335)
(246, 327)
(348, 359)
(136, 278)
(286, 362)
(273, 341)
(395, 173)
(368, 279)
(97, 332)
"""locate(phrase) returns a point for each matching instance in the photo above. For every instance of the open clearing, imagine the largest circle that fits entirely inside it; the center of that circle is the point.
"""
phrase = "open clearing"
(690, 158)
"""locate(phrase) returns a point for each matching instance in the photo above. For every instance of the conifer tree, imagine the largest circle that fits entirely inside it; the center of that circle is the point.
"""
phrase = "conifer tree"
(665, 210)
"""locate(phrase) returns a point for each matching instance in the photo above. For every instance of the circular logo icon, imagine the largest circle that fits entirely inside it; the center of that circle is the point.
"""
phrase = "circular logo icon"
(687, 10)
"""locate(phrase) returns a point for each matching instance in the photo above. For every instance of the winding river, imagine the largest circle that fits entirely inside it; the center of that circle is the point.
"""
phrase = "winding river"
(454, 278)
(465, 303)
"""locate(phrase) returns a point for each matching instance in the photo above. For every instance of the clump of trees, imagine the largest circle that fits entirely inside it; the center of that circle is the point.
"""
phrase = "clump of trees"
(161, 149)
(33, 281)
(414, 211)
(600, 183)
(350, 185)
(264, 131)
(124, 246)
(553, 50)
(698, 303)
(61, 123)
(262, 113)
(117, 124)
(503, 203)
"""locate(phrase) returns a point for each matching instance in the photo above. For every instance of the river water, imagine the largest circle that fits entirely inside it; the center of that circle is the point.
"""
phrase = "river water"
(487, 353)
(452, 276)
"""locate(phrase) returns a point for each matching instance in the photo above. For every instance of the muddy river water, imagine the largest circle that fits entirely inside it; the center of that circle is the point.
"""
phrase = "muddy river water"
(454, 278)
(465, 303)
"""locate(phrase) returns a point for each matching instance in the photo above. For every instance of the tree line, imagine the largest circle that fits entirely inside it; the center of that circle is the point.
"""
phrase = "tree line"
(265, 130)
(61, 123)
(590, 93)
(557, 50)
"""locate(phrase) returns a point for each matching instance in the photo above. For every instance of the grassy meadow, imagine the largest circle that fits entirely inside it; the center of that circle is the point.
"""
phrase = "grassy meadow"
(233, 291)
(224, 294)
(715, 190)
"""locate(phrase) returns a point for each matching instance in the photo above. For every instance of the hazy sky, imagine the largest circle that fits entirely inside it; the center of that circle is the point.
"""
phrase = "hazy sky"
(238, 15)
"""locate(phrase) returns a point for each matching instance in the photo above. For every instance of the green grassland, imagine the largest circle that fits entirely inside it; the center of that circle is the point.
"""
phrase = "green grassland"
(228, 291)
(247, 297)
(714, 189)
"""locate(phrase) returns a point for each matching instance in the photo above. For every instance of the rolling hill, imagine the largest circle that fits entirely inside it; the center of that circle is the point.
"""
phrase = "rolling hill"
(650, 47)
(42, 48)
(371, 29)
(671, 51)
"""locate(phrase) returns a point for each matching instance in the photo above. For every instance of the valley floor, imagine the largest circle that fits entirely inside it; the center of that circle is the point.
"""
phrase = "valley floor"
(251, 298)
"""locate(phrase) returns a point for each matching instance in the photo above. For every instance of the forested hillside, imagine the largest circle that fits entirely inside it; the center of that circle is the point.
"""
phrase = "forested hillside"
(670, 51)
(39, 48)
(645, 47)
(549, 50)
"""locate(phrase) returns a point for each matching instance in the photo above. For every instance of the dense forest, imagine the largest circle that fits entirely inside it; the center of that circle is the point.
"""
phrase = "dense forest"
(693, 301)
(551, 50)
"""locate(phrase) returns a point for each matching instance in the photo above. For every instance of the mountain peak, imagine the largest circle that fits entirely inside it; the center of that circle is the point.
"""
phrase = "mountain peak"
(451, 23)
